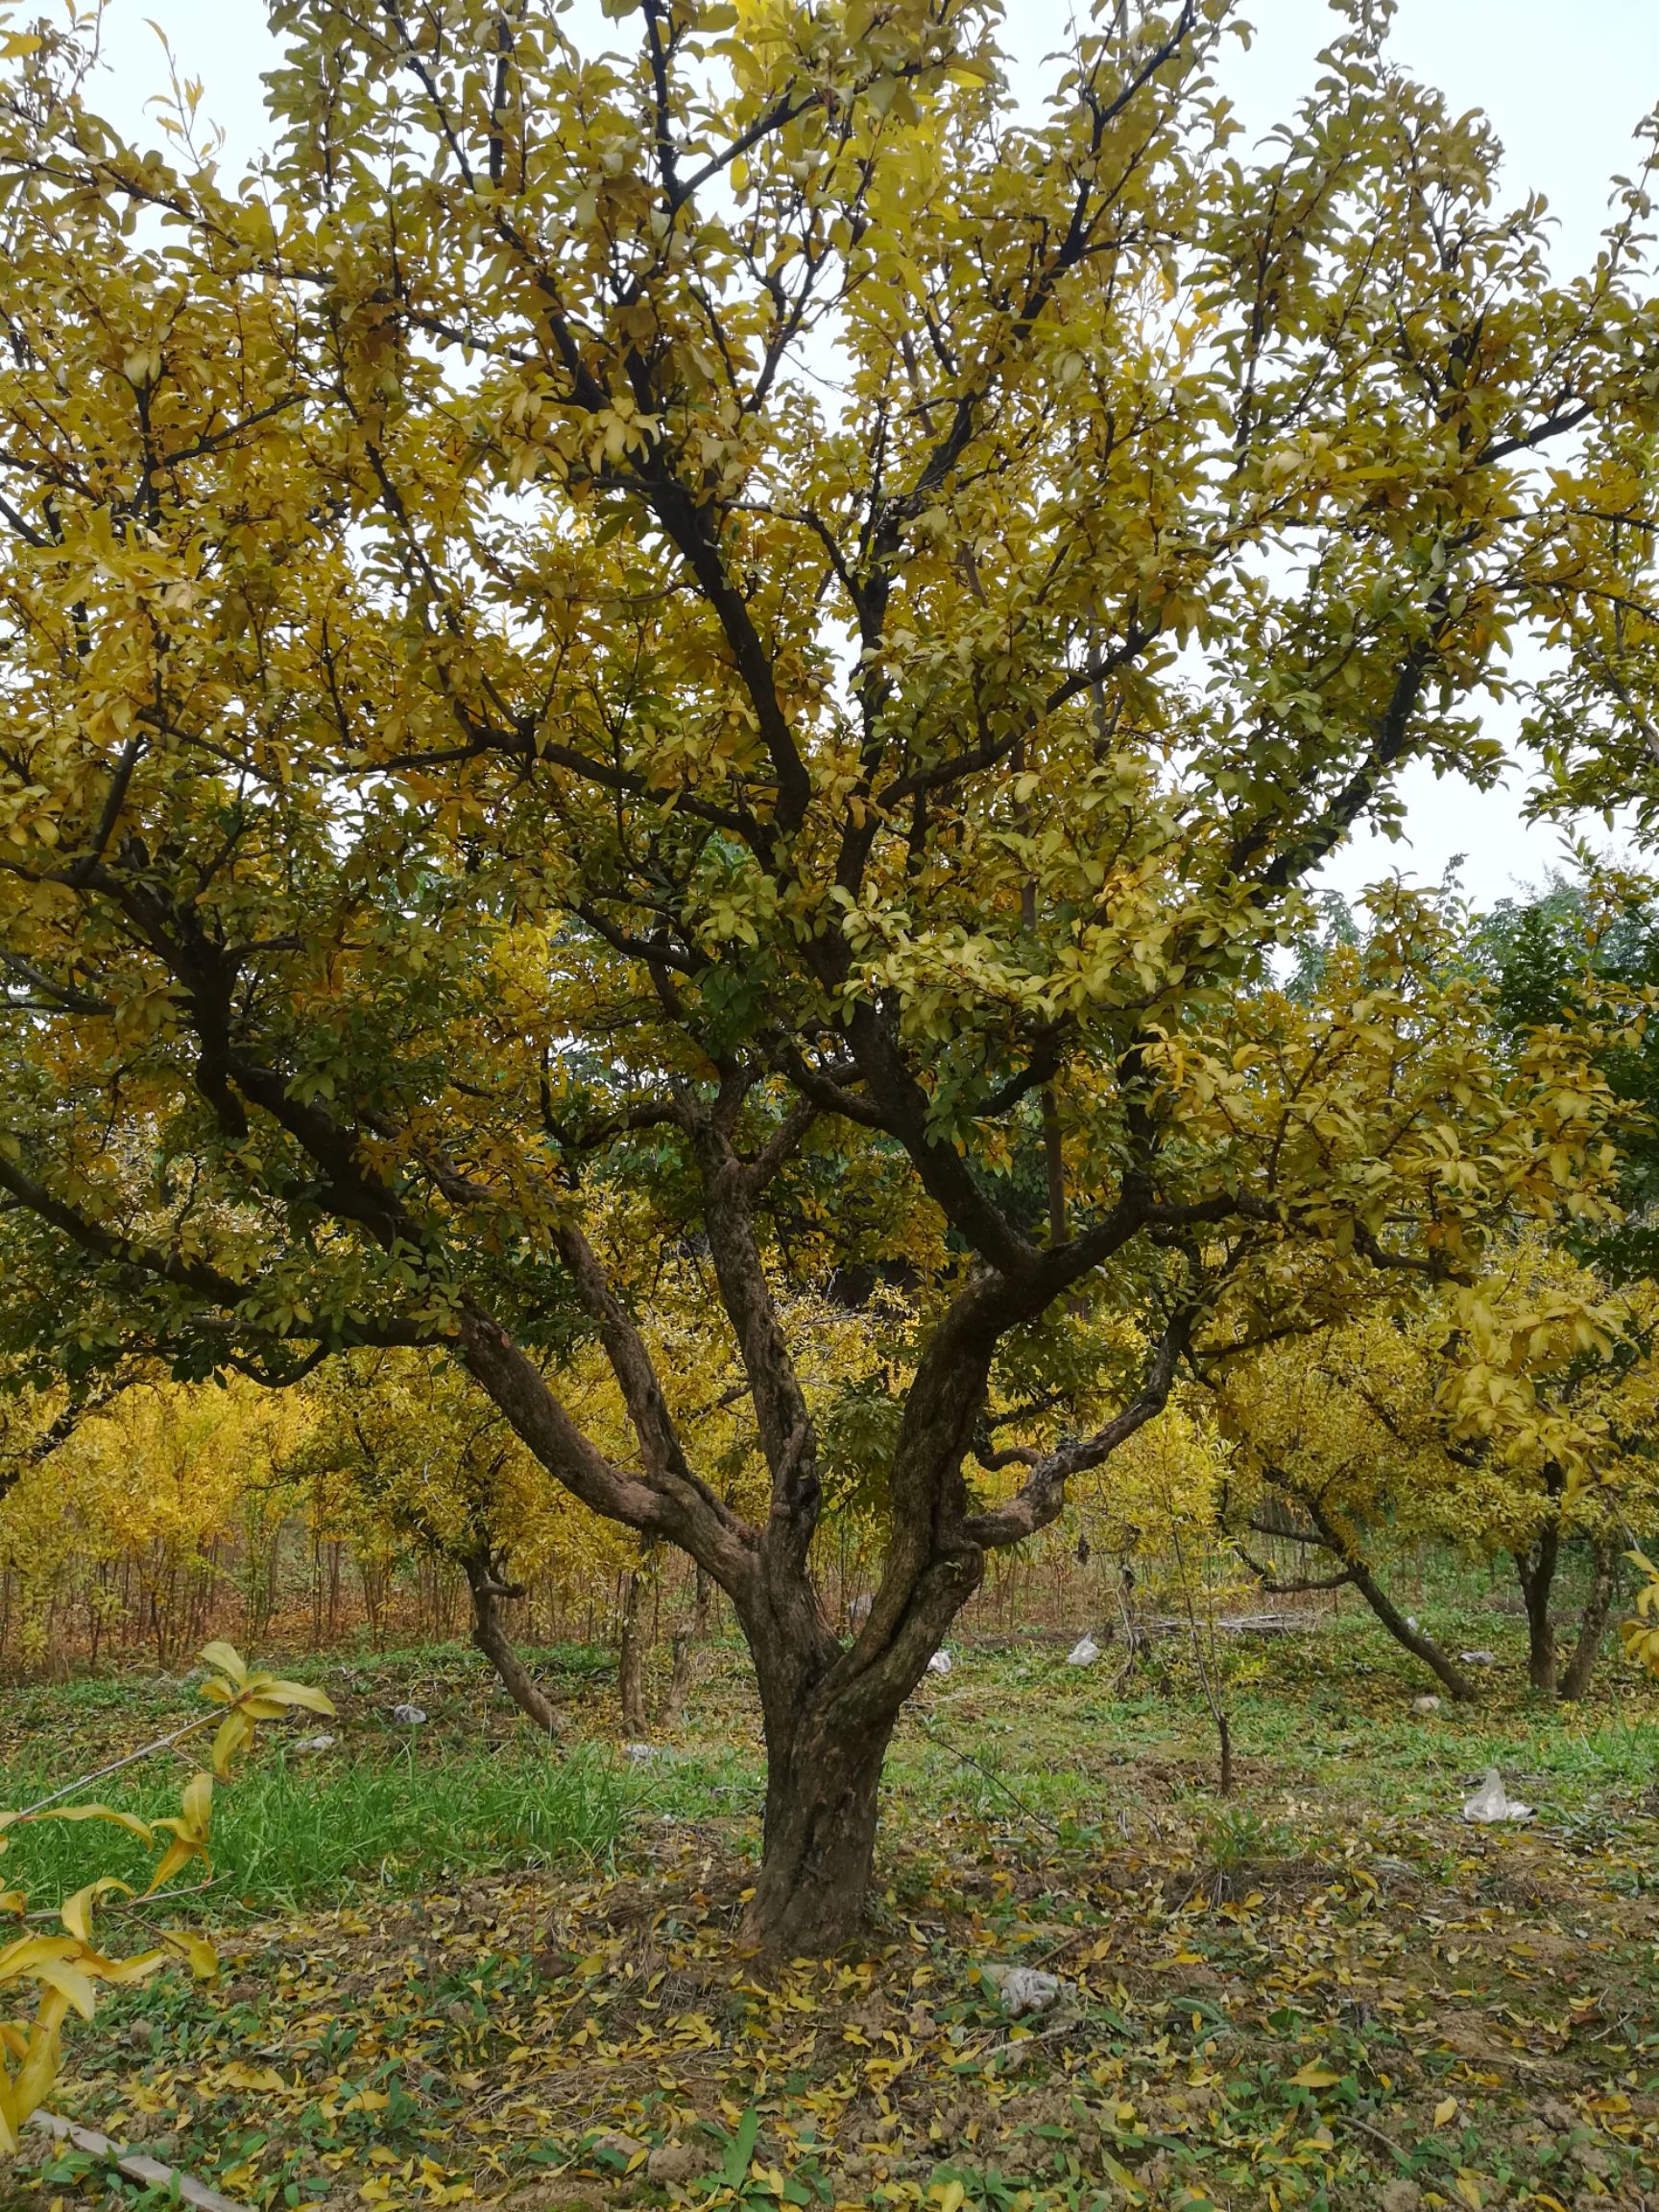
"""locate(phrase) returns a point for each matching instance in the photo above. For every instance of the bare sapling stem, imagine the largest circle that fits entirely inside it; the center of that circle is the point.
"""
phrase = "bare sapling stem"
(130, 1759)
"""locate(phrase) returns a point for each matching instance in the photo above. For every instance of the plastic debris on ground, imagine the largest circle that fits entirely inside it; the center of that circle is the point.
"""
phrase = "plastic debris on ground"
(1492, 1802)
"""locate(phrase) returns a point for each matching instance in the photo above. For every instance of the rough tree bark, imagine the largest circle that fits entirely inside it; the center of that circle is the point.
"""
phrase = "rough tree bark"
(822, 1805)
(630, 1646)
(686, 1640)
(1535, 1569)
(828, 1716)
(492, 1639)
(1592, 1620)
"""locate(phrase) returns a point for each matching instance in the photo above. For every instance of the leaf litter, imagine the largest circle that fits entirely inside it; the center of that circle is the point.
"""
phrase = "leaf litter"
(1340, 2009)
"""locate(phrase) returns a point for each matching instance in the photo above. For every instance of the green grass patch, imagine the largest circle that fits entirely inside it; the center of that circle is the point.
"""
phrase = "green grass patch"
(291, 1830)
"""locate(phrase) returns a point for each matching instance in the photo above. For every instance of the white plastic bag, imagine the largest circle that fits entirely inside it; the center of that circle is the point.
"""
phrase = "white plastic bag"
(1024, 1988)
(1492, 1802)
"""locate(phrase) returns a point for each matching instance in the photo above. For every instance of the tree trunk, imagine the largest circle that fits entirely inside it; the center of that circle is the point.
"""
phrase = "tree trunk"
(497, 1646)
(686, 1638)
(1592, 1622)
(822, 1793)
(631, 1653)
(1535, 1567)
(1417, 1641)
(828, 1712)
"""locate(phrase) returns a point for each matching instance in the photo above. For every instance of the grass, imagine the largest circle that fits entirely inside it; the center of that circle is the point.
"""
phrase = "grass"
(289, 1832)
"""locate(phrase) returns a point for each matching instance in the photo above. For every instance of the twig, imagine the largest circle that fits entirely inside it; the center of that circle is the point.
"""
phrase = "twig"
(996, 1780)
(1206, 1674)
(146, 1751)
(149, 1897)
(1070, 1943)
(1388, 2142)
(136, 2165)
(1023, 2042)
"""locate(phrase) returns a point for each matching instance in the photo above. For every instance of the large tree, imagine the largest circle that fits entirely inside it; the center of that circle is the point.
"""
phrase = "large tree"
(728, 653)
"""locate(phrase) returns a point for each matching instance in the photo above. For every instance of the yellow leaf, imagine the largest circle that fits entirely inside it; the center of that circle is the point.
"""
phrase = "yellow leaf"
(128, 1973)
(226, 1659)
(202, 1958)
(67, 1980)
(1445, 2111)
(127, 1820)
(232, 1733)
(76, 1914)
(197, 1803)
(1315, 2075)
(240, 2075)
(38, 2071)
(291, 1693)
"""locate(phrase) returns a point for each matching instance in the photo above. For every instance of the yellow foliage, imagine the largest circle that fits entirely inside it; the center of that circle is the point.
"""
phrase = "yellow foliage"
(1640, 1634)
(1479, 1418)
(1164, 1486)
(151, 1478)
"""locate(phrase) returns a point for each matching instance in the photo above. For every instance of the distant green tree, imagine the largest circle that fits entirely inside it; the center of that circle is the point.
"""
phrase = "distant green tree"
(1547, 955)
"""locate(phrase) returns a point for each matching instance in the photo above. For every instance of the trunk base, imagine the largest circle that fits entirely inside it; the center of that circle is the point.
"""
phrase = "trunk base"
(630, 1653)
(1592, 1625)
(821, 1812)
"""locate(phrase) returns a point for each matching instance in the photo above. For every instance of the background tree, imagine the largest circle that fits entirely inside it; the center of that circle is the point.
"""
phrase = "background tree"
(1335, 1446)
(401, 1452)
(1512, 1420)
(1566, 953)
(616, 639)
(147, 1480)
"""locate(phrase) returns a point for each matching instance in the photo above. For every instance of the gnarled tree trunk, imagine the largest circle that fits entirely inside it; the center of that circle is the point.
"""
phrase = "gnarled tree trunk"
(1357, 1569)
(1417, 1641)
(823, 1785)
(830, 1709)
(1592, 1621)
(829, 1714)
(492, 1639)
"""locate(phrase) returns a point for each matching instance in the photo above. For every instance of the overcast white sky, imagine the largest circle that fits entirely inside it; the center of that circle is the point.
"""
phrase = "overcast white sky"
(1564, 84)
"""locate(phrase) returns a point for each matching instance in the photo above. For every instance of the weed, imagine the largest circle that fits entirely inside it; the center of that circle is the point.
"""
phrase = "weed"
(1235, 1838)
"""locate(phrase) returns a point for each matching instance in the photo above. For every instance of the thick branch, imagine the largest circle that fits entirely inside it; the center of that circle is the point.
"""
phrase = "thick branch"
(1040, 1498)
(667, 1467)
(1341, 1543)
(516, 1385)
(787, 1435)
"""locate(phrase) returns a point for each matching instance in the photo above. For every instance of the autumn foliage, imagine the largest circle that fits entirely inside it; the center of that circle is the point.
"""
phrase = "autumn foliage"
(653, 692)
